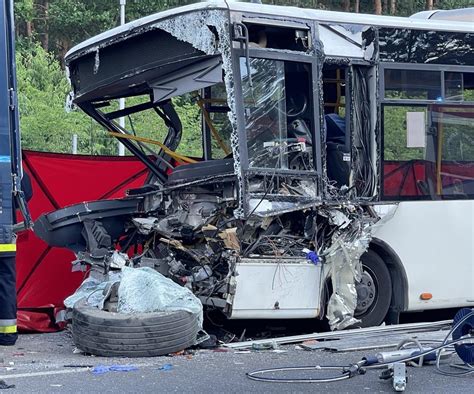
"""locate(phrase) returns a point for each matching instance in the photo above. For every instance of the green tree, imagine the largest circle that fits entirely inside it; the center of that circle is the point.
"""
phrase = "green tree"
(42, 89)
(59, 24)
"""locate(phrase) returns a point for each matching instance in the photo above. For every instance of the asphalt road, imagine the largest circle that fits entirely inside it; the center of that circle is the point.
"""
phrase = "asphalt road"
(42, 363)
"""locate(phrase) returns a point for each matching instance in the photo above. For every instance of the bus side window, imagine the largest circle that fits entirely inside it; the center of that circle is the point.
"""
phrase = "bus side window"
(405, 168)
(428, 147)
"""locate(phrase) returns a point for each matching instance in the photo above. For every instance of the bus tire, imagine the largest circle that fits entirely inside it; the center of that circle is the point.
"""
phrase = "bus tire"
(112, 334)
(374, 291)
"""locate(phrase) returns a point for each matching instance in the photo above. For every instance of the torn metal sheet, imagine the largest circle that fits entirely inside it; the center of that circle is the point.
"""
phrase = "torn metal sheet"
(344, 42)
(343, 256)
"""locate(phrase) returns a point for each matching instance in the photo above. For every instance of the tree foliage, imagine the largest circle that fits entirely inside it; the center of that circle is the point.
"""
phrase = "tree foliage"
(47, 29)
(42, 92)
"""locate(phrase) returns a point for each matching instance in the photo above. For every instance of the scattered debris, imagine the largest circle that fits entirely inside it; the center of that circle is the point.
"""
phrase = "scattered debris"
(166, 367)
(210, 343)
(101, 369)
(175, 354)
(272, 345)
(138, 298)
(4, 385)
(459, 336)
(77, 366)
(221, 350)
(384, 340)
(359, 332)
(309, 343)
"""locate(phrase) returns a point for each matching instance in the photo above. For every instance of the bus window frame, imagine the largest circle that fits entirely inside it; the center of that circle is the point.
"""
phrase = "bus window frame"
(285, 56)
(420, 67)
(311, 57)
(384, 102)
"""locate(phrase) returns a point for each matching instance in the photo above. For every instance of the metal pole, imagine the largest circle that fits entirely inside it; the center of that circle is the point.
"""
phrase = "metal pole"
(121, 147)
(74, 144)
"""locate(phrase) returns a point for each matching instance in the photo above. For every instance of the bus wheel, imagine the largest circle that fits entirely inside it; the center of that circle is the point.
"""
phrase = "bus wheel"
(374, 291)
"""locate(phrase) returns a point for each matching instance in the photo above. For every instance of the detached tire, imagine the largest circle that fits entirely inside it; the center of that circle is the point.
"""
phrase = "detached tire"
(112, 334)
(374, 292)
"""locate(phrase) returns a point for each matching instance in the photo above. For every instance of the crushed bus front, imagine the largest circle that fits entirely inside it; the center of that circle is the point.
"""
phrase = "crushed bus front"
(274, 218)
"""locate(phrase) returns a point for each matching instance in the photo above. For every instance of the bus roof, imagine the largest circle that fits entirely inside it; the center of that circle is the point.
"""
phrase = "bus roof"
(122, 32)
(459, 15)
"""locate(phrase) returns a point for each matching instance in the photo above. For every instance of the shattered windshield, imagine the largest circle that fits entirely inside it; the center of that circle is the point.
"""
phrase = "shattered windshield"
(277, 114)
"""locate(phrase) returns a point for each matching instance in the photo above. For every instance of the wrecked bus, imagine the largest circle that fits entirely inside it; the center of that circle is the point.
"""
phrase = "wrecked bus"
(337, 168)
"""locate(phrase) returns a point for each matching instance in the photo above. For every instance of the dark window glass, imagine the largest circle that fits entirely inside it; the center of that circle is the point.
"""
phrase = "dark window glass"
(412, 84)
(454, 126)
(453, 86)
(459, 86)
(420, 46)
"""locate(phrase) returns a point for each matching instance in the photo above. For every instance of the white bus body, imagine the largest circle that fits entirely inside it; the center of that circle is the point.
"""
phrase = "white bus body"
(399, 95)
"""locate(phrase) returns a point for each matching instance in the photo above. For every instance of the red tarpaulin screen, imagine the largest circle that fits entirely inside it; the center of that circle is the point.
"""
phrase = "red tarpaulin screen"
(44, 277)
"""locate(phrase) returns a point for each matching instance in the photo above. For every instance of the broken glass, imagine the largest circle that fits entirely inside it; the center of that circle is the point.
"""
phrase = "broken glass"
(265, 112)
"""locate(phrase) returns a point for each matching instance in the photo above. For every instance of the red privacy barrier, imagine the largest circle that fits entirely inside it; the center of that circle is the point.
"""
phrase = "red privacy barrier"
(44, 277)
(403, 178)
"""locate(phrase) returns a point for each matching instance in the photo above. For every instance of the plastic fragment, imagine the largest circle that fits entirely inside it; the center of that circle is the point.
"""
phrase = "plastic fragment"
(166, 367)
(265, 346)
(311, 256)
(101, 369)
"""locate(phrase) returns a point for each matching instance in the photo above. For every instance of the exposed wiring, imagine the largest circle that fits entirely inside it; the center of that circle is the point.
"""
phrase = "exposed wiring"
(364, 170)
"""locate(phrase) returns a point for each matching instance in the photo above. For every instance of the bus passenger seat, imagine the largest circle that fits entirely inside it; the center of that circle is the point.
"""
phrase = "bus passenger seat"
(338, 170)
